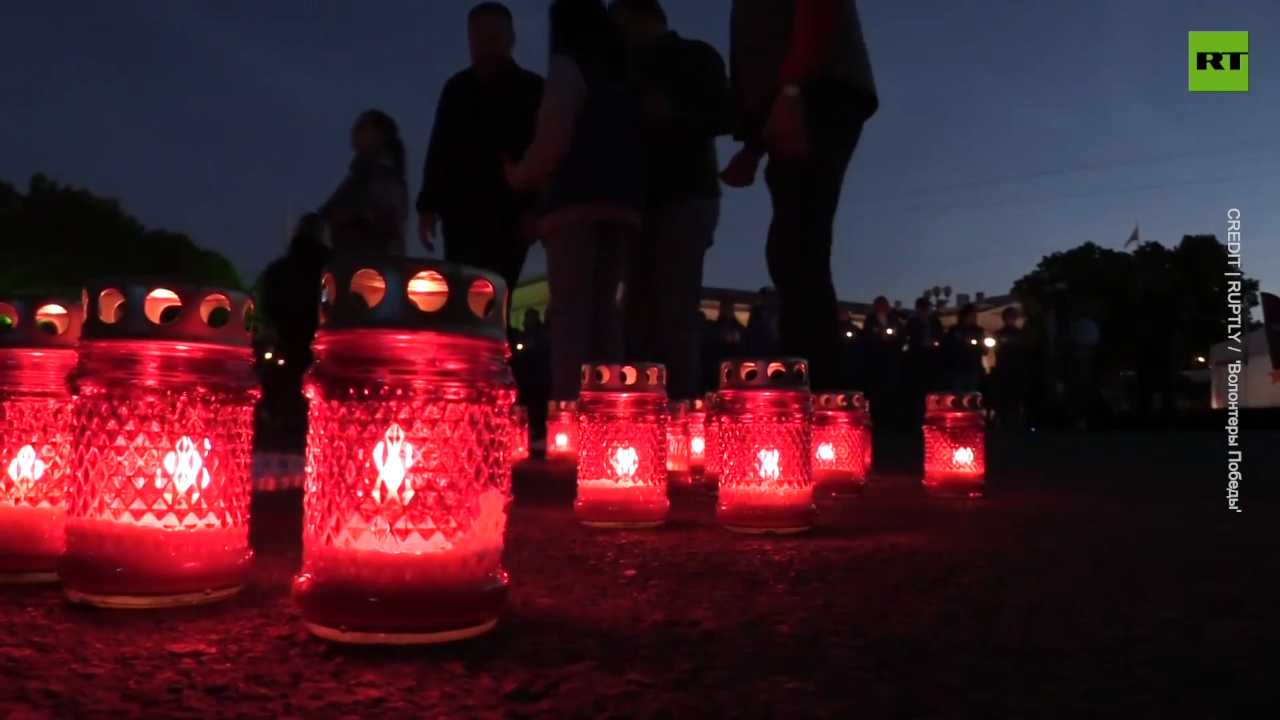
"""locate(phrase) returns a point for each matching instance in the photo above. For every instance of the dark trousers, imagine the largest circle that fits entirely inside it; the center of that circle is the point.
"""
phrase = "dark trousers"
(805, 195)
(488, 238)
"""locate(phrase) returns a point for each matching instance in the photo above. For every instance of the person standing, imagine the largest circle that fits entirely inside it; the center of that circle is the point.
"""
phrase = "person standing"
(882, 337)
(366, 214)
(1012, 370)
(923, 357)
(687, 105)
(964, 348)
(803, 88)
(486, 114)
(587, 159)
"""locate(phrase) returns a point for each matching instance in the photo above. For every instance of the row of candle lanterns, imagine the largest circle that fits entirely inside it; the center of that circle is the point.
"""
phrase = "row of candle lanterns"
(125, 440)
(762, 442)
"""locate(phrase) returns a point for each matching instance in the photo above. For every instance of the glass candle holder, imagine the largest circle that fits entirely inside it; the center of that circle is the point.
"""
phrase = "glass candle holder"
(678, 477)
(562, 431)
(697, 424)
(763, 413)
(955, 461)
(409, 444)
(158, 500)
(519, 434)
(841, 436)
(37, 349)
(622, 467)
(713, 459)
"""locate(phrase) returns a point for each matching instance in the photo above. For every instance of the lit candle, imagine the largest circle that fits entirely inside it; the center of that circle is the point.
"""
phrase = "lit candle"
(411, 441)
(562, 431)
(954, 446)
(763, 410)
(157, 509)
(711, 449)
(841, 434)
(37, 349)
(520, 434)
(678, 475)
(697, 424)
(622, 467)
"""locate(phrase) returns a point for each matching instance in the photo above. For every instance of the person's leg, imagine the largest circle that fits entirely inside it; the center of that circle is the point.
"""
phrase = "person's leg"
(571, 263)
(682, 233)
(806, 195)
(639, 304)
(612, 246)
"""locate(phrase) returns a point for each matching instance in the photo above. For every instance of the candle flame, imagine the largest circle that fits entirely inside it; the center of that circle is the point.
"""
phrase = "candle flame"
(626, 462)
(562, 441)
(697, 446)
(963, 456)
(26, 469)
(393, 457)
(768, 464)
(185, 465)
(826, 452)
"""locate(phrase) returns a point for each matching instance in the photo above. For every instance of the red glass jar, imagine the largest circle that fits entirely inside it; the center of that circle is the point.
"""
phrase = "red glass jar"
(712, 452)
(697, 423)
(158, 501)
(763, 413)
(405, 506)
(955, 434)
(678, 477)
(37, 349)
(841, 436)
(622, 467)
(519, 434)
(562, 431)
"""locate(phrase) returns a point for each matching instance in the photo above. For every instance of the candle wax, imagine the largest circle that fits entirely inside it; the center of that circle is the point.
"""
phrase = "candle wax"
(31, 538)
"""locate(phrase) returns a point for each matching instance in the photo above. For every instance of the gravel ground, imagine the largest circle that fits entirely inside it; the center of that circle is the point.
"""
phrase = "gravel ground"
(1104, 578)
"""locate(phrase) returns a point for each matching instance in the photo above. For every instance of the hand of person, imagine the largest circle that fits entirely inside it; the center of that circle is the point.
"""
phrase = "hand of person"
(428, 226)
(657, 107)
(741, 170)
(785, 131)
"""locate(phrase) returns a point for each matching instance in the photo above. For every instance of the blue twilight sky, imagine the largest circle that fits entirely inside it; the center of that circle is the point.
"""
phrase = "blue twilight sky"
(1007, 130)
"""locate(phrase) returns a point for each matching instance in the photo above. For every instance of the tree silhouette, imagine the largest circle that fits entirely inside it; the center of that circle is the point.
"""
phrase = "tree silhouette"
(1124, 292)
(55, 238)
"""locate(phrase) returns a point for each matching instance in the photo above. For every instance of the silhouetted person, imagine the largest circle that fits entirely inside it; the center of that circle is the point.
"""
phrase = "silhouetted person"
(963, 351)
(1011, 376)
(486, 114)
(1084, 336)
(687, 106)
(923, 359)
(588, 160)
(367, 213)
(882, 339)
(761, 335)
(803, 88)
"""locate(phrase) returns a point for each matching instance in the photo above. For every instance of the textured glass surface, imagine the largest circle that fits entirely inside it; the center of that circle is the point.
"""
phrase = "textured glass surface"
(711, 473)
(840, 440)
(678, 448)
(622, 466)
(34, 457)
(954, 452)
(562, 434)
(766, 472)
(697, 442)
(519, 434)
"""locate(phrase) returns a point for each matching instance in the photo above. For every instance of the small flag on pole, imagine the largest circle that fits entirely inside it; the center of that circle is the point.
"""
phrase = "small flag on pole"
(1133, 237)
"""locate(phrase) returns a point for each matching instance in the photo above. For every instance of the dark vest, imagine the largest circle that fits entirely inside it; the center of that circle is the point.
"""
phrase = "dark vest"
(760, 37)
(605, 162)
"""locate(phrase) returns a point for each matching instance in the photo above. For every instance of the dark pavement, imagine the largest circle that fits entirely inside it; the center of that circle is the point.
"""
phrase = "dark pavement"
(1103, 578)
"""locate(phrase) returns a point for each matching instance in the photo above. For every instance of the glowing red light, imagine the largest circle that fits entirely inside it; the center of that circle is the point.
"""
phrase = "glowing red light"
(711, 446)
(678, 475)
(841, 442)
(763, 416)
(520, 434)
(622, 466)
(562, 431)
(410, 443)
(157, 506)
(696, 421)
(954, 446)
(37, 341)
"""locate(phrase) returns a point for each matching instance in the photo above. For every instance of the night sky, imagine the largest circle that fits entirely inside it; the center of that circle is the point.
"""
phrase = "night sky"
(1007, 129)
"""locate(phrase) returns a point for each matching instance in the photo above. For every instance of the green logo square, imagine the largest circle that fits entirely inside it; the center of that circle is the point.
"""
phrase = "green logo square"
(1218, 62)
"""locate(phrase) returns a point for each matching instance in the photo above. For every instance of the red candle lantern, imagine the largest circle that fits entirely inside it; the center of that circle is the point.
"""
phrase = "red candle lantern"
(622, 468)
(763, 412)
(37, 349)
(562, 431)
(954, 445)
(519, 434)
(841, 437)
(409, 444)
(158, 499)
(678, 445)
(697, 424)
(711, 451)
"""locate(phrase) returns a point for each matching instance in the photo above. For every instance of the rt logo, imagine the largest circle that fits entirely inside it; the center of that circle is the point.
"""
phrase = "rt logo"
(1218, 62)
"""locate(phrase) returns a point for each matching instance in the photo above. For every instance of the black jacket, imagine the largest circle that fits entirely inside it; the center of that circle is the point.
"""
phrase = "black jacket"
(479, 122)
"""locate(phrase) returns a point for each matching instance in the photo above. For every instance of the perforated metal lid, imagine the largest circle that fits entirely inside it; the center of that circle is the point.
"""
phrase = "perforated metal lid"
(39, 322)
(625, 377)
(165, 309)
(764, 374)
(953, 402)
(397, 293)
(850, 401)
